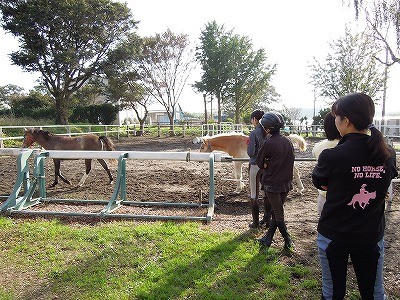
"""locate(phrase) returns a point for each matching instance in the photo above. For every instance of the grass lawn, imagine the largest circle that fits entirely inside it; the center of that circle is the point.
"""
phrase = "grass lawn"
(49, 259)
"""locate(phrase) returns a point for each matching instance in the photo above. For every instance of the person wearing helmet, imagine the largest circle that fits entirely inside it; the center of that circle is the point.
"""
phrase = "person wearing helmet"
(254, 143)
(276, 158)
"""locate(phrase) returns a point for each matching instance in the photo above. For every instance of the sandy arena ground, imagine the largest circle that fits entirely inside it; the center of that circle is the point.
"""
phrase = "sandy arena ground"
(188, 182)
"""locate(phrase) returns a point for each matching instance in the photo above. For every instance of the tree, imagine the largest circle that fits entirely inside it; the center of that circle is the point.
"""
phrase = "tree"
(89, 93)
(382, 16)
(66, 41)
(8, 93)
(292, 114)
(213, 54)
(233, 72)
(351, 67)
(35, 105)
(164, 67)
(123, 83)
(319, 118)
(250, 79)
(127, 90)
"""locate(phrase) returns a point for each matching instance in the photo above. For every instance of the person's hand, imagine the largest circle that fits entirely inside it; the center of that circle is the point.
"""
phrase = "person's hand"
(266, 160)
(324, 187)
(248, 141)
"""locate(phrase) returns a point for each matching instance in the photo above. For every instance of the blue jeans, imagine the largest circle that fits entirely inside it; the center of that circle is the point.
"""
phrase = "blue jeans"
(367, 263)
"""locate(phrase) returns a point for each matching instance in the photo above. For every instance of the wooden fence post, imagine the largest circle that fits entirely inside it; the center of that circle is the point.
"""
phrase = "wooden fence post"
(1, 138)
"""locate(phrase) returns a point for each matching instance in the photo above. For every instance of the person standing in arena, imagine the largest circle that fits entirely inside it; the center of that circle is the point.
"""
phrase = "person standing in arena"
(276, 159)
(332, 139)
(254, 143)
(352, 223)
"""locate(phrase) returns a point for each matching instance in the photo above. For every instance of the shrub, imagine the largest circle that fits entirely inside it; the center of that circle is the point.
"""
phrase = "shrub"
(94, 114)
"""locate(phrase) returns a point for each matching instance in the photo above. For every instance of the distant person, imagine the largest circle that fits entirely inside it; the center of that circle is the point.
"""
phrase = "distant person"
(255, 141)
(353, 223)
(332, 139)
(276, 158)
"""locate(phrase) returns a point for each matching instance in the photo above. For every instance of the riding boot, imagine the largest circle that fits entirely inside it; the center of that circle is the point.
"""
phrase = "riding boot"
(266, 240)
(286, 237)
(267, 213)
(255, 210)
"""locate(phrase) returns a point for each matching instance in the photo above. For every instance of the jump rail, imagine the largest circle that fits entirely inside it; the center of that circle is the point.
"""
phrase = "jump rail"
(22, 180)
(16, 204)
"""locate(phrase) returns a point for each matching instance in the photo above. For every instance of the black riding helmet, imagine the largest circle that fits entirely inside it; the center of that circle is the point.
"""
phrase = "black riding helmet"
(273, 121)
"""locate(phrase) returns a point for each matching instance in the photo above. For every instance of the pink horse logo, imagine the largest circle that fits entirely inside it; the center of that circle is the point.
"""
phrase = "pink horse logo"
(362, 198)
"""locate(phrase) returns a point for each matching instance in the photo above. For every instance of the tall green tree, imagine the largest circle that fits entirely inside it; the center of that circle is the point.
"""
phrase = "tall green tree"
(233, 72)
(123, 82)
(250, 77)
(349, 67)
(66, 41)
(8, 93)
(213, 53)
(164, 67)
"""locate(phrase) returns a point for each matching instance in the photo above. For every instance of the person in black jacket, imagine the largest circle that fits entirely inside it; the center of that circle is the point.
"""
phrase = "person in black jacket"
(276, 158)
(254, 143)
(356, 175)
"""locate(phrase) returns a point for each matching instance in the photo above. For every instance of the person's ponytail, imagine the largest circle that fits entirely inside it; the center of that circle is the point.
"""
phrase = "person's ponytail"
(377, 146)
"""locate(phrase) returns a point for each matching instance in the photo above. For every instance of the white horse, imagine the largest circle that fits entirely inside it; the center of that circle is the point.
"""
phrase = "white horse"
(235, 144)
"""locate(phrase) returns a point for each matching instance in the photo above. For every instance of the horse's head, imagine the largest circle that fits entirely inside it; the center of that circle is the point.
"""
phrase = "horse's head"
(29, 138)
(204, 144)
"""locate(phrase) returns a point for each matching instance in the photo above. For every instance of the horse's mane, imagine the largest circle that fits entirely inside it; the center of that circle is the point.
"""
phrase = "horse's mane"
(46, 134)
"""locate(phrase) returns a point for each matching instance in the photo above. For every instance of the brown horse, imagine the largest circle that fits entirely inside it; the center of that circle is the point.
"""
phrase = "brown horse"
(56, 142)
(235, 144)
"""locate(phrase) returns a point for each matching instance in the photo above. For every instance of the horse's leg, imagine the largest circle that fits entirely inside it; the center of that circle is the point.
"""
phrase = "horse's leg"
(57, 164)
(57, 173)
(296, 173)
(238, 176)
(88, 165)
(105, 166)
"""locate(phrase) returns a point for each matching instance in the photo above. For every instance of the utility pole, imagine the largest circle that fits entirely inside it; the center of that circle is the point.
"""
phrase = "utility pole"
(384, 92)
(211, 101)
(315, 99)
(205, 108)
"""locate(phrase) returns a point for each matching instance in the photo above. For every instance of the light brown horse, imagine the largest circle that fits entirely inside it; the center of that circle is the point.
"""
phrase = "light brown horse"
(56, 142)
(235, 144)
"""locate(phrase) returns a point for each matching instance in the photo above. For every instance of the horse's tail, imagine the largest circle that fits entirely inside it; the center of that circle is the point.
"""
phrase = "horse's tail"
(108, 143)
(299, 141)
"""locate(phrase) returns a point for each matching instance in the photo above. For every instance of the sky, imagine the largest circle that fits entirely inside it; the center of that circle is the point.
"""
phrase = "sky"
(291, 32)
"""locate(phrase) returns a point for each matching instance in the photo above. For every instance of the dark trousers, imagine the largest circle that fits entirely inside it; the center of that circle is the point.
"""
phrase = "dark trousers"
(367, 263)
(277, 200)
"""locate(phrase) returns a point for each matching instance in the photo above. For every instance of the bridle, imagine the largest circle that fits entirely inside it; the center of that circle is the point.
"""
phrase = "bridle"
(28, 140)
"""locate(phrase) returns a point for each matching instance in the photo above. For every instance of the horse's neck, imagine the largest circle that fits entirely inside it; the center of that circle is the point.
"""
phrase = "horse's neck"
(50, 143)
(232, 146)
(215, 145)
(43, 142)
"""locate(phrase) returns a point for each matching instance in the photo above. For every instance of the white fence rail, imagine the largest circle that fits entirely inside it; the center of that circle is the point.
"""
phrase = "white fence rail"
(392, 132)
